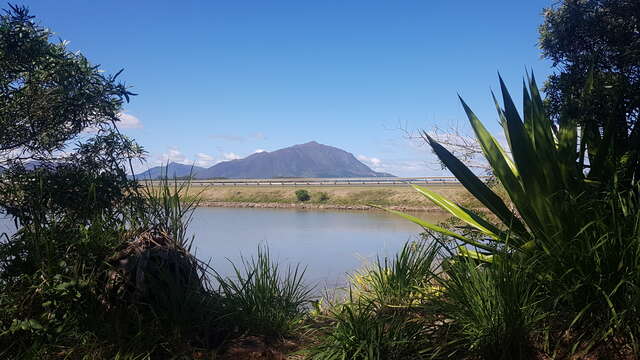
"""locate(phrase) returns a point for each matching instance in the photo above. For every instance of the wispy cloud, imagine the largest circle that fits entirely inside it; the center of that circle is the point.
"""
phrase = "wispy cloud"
(128, 121)
(373, 162)
(205, 160)
(258, 136)
(231, 156)
(173, 155)
(399, 167)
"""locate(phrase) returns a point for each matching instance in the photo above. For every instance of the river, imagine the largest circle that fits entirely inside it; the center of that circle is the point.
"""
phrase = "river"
(329, 243)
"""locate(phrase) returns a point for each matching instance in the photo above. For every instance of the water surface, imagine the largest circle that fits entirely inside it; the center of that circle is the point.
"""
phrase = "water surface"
(329, 243)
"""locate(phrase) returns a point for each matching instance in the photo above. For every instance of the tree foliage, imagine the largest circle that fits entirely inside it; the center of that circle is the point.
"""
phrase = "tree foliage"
(595, 47)
(59, 142)
(48, 94)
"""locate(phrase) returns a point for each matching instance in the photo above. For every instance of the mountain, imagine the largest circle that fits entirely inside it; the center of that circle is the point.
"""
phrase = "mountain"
(171, 170)
(311, 160)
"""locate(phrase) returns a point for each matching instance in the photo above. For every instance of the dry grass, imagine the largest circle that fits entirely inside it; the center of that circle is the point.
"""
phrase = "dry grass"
(337, 195)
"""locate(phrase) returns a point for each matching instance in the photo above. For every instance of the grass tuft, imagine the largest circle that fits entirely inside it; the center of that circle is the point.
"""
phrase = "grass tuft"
(263, 298)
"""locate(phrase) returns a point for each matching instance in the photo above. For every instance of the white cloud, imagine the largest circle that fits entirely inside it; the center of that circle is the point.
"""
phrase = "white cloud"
(128, 121)
(400, 166)
(412, 168)
(375, 163)
(174, 155)
(259, 151)
(231, 156)
(205, 160)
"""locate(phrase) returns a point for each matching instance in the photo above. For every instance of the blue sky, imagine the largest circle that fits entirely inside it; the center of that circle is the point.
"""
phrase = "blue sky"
(223, 79)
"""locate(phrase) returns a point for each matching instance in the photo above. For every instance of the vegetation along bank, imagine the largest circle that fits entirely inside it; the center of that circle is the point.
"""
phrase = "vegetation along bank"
(324, 197)
(102, 268)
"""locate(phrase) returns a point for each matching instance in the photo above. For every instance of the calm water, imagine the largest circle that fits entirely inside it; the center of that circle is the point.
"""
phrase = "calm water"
(329, 243)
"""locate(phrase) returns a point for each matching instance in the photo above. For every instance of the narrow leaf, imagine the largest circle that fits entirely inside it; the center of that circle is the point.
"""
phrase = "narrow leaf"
(461, 213)
(439, 229)
(476, 187)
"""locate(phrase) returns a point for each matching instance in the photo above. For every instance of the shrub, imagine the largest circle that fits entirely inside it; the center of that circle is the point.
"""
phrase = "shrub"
(398, 282)
(323, 196)
(302, 195)
(593, 282)
(117, 285)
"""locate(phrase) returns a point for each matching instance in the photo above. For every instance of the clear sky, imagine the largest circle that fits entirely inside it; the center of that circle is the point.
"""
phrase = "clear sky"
(223, 79)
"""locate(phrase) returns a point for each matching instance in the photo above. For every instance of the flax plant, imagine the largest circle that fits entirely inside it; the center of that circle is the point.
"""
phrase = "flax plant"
(545, 174)
(571, 216)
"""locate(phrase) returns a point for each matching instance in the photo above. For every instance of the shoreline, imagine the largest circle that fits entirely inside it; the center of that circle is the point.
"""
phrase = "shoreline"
(313, 206)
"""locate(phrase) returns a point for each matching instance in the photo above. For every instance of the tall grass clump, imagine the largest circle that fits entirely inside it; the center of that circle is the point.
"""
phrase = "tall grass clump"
(381, 317)
(359, 331)
(487, 311)
(398, 282)
(262, 298)
(593, 281)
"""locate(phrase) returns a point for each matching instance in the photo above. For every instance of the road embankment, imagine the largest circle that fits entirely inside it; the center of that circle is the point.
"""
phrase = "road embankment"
(330, 198)
(314, 206)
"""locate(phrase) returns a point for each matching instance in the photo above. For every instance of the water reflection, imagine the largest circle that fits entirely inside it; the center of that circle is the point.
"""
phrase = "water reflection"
(329, 243)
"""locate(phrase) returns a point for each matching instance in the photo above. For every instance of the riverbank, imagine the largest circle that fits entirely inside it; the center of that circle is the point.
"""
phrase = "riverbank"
(403, 198)
(314, 206)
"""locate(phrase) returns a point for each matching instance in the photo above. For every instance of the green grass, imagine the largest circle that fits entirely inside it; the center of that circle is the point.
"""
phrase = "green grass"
(493, 311)
(380, 318)
(359, 331)
(264, 299)
(398, 282)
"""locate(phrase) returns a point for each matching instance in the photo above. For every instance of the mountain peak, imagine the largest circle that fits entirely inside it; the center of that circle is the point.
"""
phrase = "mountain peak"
(311, 159)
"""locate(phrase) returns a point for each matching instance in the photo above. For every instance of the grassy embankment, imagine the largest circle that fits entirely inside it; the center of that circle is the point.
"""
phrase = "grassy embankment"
(339, 197)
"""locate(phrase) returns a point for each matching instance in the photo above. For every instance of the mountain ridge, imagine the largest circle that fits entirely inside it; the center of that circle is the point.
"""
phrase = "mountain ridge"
(311, 159)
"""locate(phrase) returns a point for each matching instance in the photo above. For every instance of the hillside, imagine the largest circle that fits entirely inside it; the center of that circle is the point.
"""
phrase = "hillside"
(305, 160)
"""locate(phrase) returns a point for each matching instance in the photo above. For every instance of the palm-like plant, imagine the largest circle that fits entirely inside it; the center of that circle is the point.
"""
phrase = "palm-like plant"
(545, 176)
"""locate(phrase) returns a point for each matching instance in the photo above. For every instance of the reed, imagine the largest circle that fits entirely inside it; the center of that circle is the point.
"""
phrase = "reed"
(263, 298)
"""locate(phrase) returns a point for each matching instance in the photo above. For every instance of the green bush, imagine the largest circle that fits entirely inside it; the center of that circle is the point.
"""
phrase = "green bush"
(323, 196)
(302, 195)
(399, 281)
(593, 282)
(106, 286)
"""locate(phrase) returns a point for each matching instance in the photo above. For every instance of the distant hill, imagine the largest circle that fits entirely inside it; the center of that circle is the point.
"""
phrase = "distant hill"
(171, 170)
(305, 160)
